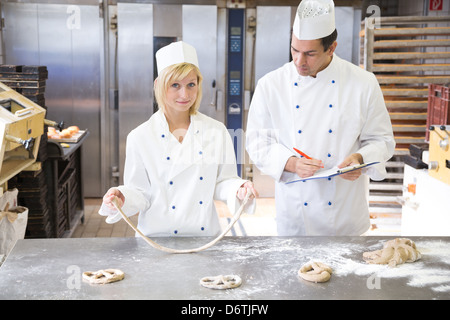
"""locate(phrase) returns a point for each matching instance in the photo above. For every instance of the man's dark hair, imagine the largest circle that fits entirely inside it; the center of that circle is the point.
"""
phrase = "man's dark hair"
(329, 40)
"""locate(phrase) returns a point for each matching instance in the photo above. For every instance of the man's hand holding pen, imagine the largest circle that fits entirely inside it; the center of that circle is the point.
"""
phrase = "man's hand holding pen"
(305, 166)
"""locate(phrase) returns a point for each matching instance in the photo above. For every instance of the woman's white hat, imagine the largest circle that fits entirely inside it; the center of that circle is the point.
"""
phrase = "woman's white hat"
(314, 19)
(174, 53)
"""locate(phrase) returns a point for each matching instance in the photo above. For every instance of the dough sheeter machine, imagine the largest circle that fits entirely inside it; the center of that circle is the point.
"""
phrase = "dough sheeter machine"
(426, 201)
(21, 127)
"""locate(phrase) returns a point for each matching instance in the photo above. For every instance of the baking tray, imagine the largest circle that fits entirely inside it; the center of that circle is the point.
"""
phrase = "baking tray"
(73, 139)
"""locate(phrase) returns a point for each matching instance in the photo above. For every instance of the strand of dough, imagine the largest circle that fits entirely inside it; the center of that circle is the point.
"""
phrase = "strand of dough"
(315, 272)
(394, 252)
(221, 282)
(155, 245)
(103, 276)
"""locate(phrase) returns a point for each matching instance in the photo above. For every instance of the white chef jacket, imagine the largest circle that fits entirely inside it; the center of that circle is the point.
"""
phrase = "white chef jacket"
(340, 112)
(173, 185)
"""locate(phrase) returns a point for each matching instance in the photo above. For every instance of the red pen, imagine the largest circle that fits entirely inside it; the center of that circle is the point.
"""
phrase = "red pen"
(302, 154)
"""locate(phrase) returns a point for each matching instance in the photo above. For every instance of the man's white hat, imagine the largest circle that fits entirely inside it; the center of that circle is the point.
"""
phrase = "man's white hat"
(314, 19)
(174, 53)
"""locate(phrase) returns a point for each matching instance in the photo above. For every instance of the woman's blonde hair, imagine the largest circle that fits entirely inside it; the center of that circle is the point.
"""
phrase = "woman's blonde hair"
(174, 73)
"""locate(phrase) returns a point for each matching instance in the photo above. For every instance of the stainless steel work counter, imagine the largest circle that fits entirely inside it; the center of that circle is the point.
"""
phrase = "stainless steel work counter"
(52, 268)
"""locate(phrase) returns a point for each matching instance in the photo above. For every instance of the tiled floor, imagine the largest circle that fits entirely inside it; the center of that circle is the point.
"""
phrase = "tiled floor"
(95, 226)
(261, 223)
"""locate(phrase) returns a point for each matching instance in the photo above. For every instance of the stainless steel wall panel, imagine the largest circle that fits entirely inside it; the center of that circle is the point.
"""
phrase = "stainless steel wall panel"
(272, 48)
(200, 30)
(66, 39)
(221, 63)
(273, 38)
(167, 21)
(108, 111)
(135, 69)
(86, 48)
(20, 32)
(71, 53)
(344, 26)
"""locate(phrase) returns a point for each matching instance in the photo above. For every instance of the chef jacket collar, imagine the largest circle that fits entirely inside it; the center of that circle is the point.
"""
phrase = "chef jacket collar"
(194, 131)
(329, 71)
(188, 153)
(163, 121)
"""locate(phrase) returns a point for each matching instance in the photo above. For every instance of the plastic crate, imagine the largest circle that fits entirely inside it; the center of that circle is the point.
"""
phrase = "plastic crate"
(438, 107)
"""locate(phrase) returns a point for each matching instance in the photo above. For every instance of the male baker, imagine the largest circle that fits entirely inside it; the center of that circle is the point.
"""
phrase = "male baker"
(332, 111)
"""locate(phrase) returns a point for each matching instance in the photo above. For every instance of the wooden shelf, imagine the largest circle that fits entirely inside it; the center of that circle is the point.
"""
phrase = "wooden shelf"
(405, 54)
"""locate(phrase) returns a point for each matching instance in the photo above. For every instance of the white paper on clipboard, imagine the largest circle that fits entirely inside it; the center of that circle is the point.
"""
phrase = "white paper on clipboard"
(335, 171)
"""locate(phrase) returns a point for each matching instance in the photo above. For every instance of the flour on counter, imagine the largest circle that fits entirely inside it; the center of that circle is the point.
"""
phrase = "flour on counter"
(341, 258)
(418, 276)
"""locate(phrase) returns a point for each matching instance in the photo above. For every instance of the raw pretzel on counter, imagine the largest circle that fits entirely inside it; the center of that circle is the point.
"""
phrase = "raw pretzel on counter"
(103, 276)
(315, 272)
(394, 252)
(221, 282)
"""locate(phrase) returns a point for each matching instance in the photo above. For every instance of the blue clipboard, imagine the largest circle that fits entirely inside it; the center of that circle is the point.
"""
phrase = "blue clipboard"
(335, 171)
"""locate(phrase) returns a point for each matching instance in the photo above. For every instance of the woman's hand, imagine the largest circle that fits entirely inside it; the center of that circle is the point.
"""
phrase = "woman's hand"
(110, 195)
(247, 187)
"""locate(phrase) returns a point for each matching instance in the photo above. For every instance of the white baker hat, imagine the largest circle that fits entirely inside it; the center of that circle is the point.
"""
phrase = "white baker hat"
(314, 19)
(174, 53)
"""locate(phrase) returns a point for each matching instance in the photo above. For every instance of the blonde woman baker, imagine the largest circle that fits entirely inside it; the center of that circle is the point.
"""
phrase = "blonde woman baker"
(179, 161)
